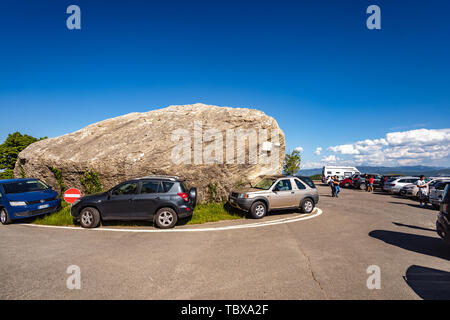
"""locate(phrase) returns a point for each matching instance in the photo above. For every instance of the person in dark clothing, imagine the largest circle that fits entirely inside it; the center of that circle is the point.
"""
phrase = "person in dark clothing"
(366, 182)
(331, 184)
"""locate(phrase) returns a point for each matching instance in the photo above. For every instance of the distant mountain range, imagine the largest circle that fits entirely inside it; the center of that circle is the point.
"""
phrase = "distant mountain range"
(407, 170)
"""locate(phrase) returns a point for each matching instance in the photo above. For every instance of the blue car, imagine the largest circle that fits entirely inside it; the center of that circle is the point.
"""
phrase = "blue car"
(24, 198)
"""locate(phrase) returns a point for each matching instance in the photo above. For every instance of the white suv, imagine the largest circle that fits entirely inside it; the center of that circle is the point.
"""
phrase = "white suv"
(394, 186)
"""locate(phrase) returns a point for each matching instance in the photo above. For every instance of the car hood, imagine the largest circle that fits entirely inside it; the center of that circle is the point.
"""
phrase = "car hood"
(32, 196)
(249, 190)
(95, 196)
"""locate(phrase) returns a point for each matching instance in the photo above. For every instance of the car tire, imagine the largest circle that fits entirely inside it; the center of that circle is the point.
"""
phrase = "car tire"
(166, 218)
(89, 217)
(4, 218)
(258, 210)
(307, 205)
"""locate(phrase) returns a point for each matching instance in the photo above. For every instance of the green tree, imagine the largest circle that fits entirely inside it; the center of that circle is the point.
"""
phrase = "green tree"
(291, 163)
(10, 149)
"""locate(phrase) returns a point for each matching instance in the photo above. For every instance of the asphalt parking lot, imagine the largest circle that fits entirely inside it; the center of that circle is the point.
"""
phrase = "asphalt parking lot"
(325, 257)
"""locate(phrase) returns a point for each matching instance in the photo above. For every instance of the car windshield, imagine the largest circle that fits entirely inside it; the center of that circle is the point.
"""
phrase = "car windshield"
(24, 186)
(264, 183)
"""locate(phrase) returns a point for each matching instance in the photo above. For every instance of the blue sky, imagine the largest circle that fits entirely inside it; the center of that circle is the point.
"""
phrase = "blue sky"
(312, 65)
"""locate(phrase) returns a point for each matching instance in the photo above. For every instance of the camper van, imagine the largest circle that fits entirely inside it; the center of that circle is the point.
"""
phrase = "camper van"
(341, 172)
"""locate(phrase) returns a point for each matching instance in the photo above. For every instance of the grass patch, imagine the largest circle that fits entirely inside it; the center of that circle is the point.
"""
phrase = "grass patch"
(210, 212)
(59, 218)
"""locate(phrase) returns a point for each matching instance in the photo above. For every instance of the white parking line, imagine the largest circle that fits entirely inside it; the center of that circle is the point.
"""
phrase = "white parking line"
(318, 212)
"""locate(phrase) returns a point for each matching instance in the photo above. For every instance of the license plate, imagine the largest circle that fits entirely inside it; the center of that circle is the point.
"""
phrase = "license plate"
(43, 206)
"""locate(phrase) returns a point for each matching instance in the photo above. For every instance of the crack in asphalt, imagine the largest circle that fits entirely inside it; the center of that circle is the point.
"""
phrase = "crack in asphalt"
(309, 266)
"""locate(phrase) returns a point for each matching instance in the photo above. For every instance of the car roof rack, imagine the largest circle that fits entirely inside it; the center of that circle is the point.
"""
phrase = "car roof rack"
(161, 177)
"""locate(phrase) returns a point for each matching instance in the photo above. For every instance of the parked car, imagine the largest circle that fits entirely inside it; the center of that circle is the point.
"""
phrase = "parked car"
(274, 193)
(24, 198)
(386, 178)
(161, 199)
(359, 181)
(436, 193)
(347, 182)
(411, 190)
(395, 185)
(443, 219)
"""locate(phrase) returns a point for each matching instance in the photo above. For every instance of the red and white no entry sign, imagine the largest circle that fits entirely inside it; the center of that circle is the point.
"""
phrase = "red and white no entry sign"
(72, 195)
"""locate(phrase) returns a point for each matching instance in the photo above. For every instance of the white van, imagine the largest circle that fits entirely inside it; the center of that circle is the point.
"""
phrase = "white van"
(340, 171)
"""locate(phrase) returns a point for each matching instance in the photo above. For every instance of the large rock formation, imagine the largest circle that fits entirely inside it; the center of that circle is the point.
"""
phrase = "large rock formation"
(178, 140)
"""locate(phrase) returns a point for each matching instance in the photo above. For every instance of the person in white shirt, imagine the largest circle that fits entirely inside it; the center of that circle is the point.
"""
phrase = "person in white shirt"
(423, 190)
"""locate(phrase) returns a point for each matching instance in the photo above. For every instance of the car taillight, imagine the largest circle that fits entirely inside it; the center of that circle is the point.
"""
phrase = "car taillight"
(392, 184)
(356, 178)
(445, 208)
(184, 195)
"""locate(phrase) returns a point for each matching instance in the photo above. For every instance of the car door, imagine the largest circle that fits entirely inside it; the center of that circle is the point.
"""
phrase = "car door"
(283, 195)
(147, 199)
(440, 191)
(432, 194)
(120, 203)
(300, 192)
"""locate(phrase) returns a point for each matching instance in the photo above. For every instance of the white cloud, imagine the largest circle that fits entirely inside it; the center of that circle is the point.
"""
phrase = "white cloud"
(330, 158)
(419, 137)
(318, 150)
(344, 149)
(311, 165)
(421, 146)
(299, 149)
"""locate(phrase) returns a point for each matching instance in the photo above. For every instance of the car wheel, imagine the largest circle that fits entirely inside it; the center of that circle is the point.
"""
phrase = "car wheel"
(258, 210)
(89, 217)
(307, 206)
(4, 218)
(166, 218)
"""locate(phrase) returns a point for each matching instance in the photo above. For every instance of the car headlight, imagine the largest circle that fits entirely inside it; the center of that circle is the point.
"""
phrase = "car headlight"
(243, 195)
(75, 202)
(17, 203)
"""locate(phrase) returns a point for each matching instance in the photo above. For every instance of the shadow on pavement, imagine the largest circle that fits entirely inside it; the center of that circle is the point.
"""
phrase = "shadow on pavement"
(432, 246)
(428, 283)
(413, 227)
(429, 207)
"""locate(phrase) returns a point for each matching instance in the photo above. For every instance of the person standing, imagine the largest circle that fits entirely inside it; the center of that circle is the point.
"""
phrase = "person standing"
(423, 190)
(366, 182)
(337, 188)
(331, 184)
(371, 180)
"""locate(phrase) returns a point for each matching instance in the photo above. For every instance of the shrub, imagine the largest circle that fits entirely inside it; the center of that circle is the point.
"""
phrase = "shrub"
(91, 182)
(59, 179)
(212, 192)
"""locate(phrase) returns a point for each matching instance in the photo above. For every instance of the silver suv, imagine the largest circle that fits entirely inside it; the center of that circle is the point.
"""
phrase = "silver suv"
(274, 193)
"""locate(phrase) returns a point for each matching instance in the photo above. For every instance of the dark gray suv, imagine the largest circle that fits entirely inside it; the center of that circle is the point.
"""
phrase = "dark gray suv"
(161, 199)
